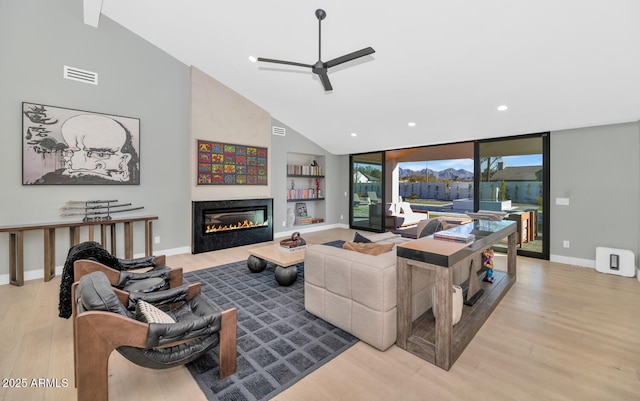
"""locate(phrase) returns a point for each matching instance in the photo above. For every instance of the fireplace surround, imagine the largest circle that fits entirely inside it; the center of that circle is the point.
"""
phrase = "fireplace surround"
(229, 223)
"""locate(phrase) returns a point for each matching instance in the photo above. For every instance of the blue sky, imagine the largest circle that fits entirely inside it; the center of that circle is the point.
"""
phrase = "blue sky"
(467, 164)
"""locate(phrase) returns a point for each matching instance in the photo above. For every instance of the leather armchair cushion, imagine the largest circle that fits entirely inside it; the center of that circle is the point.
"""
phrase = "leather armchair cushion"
(95, 293)
(155, 279)
(195, 318)
(159, 298)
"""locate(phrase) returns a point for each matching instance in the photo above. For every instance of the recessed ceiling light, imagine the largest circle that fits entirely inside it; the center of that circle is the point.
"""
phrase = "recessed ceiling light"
(502, 108)
(354, 134)
(253, 59)
(411, 124)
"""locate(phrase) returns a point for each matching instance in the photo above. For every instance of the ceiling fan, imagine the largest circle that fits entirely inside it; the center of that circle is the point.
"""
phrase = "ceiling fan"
(320, 67)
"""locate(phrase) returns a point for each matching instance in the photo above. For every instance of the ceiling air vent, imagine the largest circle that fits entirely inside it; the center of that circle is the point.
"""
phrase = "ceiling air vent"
(278, 131)
(76, 74)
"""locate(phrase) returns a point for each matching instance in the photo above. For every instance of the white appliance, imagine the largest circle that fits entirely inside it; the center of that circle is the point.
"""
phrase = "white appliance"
(615, 261)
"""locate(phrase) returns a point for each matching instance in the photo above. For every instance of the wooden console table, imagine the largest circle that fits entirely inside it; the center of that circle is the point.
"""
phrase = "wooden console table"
(16, 241)
(437, 340)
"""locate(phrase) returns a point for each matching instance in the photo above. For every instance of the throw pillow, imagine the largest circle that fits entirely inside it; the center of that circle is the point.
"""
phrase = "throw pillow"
(361, 238)
(369, 248)
(147, 313)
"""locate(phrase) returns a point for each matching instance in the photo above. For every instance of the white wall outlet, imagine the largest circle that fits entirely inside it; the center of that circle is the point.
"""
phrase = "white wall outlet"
(156, 240)
(562, 201)
(566, 244)
(284, 223)
(345, 193)
(341, 217)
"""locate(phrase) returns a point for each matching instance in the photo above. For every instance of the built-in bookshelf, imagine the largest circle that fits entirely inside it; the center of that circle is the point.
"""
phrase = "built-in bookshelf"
(306, 183)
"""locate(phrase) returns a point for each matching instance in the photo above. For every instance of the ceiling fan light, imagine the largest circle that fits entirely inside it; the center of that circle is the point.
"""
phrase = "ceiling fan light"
(411, 124)
(502, 107)
(354, 134)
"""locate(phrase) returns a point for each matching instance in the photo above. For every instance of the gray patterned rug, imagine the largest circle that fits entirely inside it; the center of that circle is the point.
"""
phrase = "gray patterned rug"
(279, 342)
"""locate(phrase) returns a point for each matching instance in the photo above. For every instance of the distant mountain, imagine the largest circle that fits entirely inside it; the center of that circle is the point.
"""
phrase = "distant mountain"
(448, 174)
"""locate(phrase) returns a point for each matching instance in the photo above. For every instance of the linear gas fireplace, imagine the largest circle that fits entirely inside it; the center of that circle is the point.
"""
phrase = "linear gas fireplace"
(230, 223)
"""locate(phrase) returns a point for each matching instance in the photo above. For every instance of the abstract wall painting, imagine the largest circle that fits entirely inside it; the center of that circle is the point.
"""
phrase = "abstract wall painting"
(62, 146)
(230, 164)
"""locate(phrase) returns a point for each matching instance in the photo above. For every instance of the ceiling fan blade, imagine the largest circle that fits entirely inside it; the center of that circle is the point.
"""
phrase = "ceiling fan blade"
(268, 60)
(325, 80)
(349, 57)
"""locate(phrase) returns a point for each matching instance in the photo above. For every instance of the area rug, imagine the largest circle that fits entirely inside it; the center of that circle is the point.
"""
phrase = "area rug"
(279, 342)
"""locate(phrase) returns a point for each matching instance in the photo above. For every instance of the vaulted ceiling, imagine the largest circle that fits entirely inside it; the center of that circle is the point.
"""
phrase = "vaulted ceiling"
(444, 65)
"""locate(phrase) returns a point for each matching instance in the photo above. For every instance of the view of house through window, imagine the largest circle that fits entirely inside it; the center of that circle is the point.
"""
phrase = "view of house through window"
(395, 189)
(512, 179)
(439, 186)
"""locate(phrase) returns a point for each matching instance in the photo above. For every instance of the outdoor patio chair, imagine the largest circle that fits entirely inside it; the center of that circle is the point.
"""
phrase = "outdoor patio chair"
(374, 197)
(357, 201)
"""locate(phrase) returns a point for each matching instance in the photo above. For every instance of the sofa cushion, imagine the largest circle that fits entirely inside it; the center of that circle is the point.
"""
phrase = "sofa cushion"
(368, 248)
(382, 237)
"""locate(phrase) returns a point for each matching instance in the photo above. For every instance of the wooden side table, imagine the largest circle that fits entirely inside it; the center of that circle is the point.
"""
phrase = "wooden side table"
(16, 241)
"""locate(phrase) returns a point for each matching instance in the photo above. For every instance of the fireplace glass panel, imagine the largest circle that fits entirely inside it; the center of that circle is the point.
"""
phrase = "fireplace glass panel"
(234, 219)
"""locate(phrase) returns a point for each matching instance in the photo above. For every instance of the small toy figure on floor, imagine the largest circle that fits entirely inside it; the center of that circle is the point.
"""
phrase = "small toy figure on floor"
(487, 261)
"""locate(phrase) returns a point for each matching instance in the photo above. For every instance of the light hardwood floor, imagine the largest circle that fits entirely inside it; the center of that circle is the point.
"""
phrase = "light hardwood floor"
(561, 333)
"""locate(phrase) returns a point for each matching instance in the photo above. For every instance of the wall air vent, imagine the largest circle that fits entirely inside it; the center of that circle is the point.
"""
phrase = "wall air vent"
(76, 74)
(279, 131)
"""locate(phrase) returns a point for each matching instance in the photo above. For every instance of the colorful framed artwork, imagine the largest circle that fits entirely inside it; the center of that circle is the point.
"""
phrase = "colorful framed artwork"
(231, 164)
(63, 146)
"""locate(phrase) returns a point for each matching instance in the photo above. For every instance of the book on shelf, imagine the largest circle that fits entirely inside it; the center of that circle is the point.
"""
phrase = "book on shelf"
(294, 169)
(293, 248)
(455, 237)
(306, 193)
(304, 220)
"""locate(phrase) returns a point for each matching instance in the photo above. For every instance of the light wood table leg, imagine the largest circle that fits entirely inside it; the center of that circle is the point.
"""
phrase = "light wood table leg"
(404, 302)
(49, 253)
(91, 232)
(444, 321)
(16, 258)
(112, 232)
(74, 235)
(128, 240)
(148, 238)
(103, 235)
(511, 254)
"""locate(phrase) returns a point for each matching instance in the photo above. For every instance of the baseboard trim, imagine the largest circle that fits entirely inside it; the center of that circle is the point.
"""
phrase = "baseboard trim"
(573, 261)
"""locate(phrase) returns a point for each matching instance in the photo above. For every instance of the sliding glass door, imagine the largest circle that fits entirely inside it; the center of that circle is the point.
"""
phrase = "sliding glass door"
(512, 176)
(366, 181)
